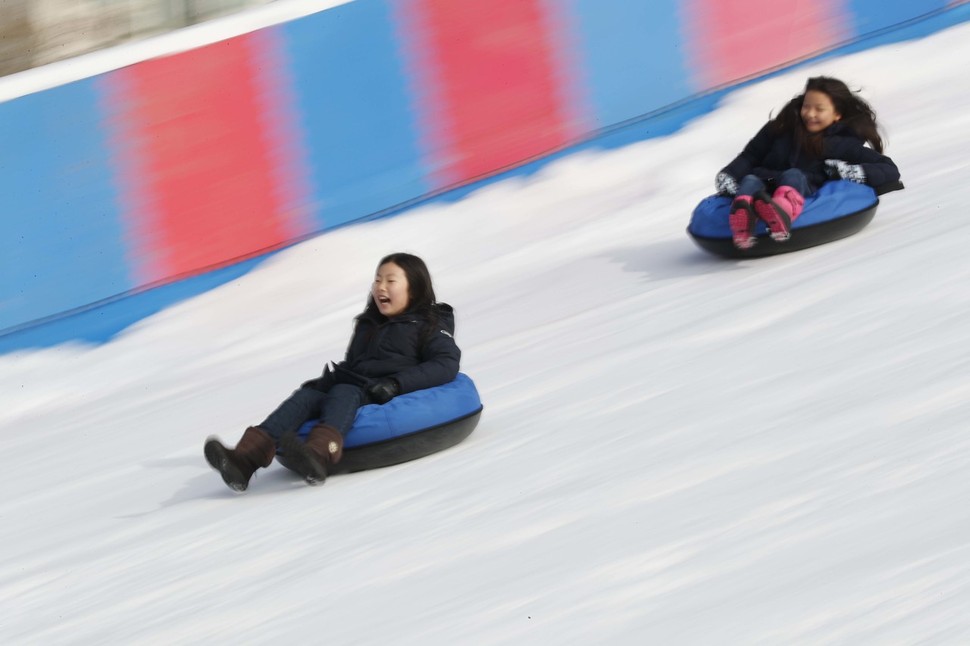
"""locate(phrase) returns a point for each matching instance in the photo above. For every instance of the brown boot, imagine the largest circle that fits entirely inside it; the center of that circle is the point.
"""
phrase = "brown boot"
(323, 448)
(255, 449)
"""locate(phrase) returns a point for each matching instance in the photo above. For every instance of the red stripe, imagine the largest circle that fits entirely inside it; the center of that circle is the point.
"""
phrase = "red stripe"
(205, 180)
(733, 40)
(494, 70)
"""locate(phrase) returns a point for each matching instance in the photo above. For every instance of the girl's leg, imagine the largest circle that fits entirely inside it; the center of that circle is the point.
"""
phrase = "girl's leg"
(785, 205)
(795, 179)
(257, 448)
(324, 445)
(340, 407)
(750, 184)
(743, 216)
(303, 405)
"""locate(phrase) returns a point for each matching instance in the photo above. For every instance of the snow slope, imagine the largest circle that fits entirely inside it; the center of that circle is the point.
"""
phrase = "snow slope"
(675, 448)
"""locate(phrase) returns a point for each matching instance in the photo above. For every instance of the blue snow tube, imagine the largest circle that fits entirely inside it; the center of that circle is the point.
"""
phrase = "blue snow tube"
(839, 209)
(408, 427)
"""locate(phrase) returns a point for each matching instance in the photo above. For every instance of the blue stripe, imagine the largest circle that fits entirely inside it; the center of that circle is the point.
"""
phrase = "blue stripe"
(61, 238)
(352, 96)
(868, 16)
(632, 56)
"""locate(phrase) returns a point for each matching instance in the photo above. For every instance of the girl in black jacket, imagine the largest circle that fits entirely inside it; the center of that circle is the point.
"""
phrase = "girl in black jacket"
(403, 341)
(819, 135)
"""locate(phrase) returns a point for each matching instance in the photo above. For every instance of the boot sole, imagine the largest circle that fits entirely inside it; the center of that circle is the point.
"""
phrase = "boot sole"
(299, 459)
(218, 459)
(777, 219)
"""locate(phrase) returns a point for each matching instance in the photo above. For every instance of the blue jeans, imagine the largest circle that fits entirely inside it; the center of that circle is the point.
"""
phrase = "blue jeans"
(751, 184)
(336, 408)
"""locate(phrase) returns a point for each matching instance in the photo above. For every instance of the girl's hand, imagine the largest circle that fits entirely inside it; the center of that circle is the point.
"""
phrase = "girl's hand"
(725, 184)
(383, 390)
(838, 169)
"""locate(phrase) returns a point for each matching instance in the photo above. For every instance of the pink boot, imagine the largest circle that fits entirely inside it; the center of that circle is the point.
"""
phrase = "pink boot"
(742, 221)
(779, 211)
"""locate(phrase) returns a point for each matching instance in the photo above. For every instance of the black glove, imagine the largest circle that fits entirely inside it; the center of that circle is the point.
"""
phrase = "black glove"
(383, 390)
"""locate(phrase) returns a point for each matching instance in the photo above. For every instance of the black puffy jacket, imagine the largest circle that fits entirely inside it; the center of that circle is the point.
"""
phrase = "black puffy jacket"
(768, 154)
(417, 349)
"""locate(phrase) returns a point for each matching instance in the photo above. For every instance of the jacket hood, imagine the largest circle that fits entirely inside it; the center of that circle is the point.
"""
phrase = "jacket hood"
(446, 317)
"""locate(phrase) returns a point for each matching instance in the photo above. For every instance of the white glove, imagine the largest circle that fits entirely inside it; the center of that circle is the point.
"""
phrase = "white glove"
(838, 169)
(725, 184)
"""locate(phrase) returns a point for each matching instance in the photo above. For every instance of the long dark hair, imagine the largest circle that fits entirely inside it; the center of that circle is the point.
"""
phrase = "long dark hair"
(421, 298)
(856, 114)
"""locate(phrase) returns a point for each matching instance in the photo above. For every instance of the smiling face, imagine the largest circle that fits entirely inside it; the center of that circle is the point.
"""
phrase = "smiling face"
(818, 111)
(390, 290)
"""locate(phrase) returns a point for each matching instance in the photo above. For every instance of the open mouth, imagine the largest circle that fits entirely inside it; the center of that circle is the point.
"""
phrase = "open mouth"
(383, 300)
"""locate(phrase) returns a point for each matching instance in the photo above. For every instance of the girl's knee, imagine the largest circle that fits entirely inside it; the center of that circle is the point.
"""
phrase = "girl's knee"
(346, 392)
(792, 173)
(750, 184)
(795, 179)
(345, 389)
(308, 395)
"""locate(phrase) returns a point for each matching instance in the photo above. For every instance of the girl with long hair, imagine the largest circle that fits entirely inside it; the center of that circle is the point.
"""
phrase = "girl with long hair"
(826, 132)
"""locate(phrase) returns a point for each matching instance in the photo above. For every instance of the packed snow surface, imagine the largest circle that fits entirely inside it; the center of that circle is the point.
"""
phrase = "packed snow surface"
(675, 448)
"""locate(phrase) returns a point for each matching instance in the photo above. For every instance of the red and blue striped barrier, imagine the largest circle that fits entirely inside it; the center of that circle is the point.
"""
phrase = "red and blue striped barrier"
(182, 164)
